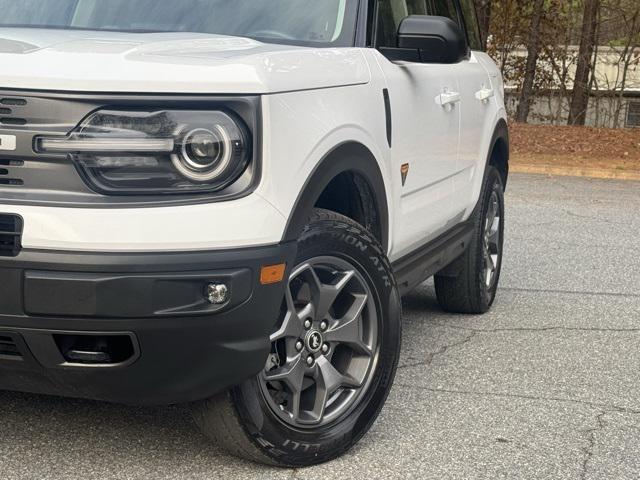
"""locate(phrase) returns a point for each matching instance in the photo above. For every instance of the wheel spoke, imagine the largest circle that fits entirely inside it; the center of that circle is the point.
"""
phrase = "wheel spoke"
(292, 324)
(494, 236)
(489, 261)
(287, 329)
(494, 261)
(328, 380)
(308, 311)
(326, 294)
(295, 405)
(492, 264)
(349, 329)
(292, 374)
(491, 214)
(493, 233)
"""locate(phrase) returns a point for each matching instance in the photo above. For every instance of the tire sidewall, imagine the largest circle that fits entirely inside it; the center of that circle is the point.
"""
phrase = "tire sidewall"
(287, 445)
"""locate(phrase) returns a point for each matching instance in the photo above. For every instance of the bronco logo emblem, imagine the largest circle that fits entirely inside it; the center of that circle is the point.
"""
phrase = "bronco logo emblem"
(314, 341)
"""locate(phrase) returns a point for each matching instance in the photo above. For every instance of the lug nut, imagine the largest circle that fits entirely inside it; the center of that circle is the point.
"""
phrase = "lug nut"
(324, 325)
(310, 360)
(299, 345)
(325, 348)
(307, 324)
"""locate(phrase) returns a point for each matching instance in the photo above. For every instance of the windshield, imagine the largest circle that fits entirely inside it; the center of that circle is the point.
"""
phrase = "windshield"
(304, 22)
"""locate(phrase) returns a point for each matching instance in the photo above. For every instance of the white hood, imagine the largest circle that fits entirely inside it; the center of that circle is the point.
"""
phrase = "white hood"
(83, 61)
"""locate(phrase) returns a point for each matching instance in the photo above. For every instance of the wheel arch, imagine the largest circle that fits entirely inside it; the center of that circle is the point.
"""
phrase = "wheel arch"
(350, 162)
(499, 151)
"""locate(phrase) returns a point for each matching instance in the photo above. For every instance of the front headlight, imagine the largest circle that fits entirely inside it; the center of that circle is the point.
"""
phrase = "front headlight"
(156, 152)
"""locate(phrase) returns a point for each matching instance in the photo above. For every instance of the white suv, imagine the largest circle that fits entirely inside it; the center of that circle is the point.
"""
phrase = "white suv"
(221, 202)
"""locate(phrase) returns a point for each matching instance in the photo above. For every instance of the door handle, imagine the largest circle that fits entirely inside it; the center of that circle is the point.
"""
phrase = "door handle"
(485, 94)
(448, 99)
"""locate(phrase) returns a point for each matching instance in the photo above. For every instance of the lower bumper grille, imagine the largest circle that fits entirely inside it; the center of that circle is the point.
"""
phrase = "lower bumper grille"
(10, 235)
(9, 348)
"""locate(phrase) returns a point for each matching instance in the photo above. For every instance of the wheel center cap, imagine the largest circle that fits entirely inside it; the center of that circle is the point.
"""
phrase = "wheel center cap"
(314, 341)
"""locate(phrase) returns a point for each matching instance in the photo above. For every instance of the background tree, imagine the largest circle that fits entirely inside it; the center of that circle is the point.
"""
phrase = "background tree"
(566, 57)
(622, 28)
(580, 97)
(510, 20)
(533, 52)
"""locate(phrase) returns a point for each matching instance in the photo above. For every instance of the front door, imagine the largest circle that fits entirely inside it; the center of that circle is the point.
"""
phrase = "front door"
(425, 108)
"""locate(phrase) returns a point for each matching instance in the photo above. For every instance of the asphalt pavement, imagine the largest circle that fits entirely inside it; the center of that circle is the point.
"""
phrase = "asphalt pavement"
(547, 385)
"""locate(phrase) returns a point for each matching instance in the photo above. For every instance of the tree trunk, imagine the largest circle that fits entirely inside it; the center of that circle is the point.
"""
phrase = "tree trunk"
(533, 52)
(580, 97)
(628, 54)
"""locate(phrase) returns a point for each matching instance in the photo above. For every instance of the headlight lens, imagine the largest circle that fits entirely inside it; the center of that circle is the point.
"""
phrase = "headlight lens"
(156, 152)
(204, 154)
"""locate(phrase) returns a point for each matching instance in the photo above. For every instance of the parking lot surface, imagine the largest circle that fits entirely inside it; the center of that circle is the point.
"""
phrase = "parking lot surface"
(547, 385)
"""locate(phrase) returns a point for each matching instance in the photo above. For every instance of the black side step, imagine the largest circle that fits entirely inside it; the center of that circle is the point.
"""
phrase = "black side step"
(413, 269)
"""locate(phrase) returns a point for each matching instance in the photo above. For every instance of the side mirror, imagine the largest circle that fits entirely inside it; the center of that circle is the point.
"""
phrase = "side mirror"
(432, 39)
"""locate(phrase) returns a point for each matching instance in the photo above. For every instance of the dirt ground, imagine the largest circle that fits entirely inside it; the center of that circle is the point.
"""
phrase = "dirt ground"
(575, 147)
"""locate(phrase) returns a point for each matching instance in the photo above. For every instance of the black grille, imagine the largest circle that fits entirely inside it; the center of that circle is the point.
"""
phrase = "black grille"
(20, 102)
(8, 115)
(10, 235)
(8, 172)
(9, 348)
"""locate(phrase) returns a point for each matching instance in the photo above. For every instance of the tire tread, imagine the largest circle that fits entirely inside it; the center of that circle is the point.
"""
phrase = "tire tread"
(464, 292)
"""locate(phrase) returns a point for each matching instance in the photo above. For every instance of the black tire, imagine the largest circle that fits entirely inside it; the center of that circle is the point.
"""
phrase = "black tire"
(462, 286)
(242, 421)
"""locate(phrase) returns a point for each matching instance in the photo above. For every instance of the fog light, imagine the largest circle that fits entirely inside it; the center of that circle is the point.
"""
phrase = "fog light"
(217, 293)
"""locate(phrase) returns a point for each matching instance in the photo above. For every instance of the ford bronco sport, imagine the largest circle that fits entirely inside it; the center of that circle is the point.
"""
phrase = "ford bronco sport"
(221, 202)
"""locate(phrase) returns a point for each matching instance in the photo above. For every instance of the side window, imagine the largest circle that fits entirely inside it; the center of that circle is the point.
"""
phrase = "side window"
(445, 8)
(471, 22)
(390, 15)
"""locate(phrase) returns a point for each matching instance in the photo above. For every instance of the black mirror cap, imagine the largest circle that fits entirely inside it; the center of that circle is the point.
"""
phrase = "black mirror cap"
(436, 39)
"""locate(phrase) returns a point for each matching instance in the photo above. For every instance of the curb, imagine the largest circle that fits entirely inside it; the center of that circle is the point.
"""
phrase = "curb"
(575, 172)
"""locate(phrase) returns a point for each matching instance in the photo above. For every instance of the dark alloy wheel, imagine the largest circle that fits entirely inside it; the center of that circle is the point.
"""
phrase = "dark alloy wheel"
(492, 239)
(325, 350)
(334, 352)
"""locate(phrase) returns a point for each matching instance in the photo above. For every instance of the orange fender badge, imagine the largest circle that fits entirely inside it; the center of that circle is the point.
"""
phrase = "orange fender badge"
(404, 171)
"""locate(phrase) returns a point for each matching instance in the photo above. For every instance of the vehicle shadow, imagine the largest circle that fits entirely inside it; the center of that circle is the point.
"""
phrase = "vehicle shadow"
(89, 439)
(421, 301)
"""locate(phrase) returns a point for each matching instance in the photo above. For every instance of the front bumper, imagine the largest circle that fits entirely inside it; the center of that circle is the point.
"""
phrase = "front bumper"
(169, 344)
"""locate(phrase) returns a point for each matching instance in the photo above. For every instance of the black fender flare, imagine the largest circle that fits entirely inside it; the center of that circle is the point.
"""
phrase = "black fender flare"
(500, 139)
(347, 157)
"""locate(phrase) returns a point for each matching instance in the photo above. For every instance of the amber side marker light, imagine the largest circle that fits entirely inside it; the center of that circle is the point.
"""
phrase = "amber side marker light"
(270, 274)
